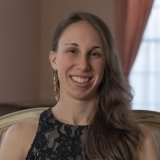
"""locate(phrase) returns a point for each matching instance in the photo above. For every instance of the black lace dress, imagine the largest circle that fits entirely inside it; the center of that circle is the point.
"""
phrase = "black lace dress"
(55, 140)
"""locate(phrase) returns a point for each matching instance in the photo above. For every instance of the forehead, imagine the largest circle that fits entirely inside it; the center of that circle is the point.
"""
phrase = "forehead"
(82, 31)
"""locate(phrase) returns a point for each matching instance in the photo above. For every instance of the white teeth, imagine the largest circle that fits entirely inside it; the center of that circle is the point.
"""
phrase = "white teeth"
(80, 79)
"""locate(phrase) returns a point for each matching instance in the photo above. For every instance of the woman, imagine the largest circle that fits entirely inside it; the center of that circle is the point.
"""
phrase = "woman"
(92, 117)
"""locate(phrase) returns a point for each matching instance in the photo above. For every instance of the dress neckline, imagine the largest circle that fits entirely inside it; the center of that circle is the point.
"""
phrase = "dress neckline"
(53, 117)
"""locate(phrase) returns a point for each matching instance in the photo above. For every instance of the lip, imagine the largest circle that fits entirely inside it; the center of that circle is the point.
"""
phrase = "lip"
(80, 80)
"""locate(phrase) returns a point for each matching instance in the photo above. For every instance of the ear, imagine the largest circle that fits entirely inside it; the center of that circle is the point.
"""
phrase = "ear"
(53, 59)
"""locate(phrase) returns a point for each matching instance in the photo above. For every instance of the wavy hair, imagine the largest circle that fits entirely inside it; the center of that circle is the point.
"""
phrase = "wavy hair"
(114, 133)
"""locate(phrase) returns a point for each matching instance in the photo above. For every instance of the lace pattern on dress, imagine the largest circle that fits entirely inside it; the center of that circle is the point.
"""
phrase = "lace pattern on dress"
(55, 140)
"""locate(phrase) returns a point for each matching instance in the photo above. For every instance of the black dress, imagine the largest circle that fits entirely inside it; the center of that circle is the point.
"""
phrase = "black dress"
(55, 140)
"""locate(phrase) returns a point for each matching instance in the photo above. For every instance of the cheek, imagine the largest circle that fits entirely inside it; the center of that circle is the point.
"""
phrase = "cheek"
(63, 63)
(99, 68)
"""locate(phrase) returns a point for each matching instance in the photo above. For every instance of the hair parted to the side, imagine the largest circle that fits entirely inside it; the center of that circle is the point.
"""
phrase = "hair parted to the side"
(113, 134)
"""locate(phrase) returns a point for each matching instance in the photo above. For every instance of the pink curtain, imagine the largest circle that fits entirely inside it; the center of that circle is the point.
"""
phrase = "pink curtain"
(131, 17)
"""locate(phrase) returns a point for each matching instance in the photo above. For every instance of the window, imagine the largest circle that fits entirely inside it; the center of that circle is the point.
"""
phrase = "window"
(145, 74)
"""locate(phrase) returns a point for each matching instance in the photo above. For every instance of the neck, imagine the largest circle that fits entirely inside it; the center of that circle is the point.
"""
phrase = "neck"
(75, 112)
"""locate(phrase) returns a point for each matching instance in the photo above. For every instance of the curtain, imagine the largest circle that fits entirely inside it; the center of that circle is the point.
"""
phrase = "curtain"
(131, 17)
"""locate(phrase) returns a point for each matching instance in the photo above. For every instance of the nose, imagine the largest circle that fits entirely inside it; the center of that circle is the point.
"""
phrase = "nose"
(83, 63)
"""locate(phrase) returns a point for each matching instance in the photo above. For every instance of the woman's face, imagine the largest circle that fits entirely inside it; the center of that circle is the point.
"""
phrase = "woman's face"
(79, 61)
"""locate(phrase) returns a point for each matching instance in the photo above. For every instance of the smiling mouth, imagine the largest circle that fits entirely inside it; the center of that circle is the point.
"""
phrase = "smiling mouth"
(80, 80)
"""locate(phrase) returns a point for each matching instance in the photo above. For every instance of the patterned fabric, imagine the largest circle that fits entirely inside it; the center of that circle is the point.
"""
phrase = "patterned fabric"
(55, 140)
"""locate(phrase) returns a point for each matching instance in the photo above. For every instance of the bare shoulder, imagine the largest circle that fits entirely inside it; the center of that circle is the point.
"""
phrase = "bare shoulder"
(149, 148)
(18, 139)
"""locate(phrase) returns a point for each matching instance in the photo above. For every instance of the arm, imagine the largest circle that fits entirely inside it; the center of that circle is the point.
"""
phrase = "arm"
(18, 139)
(12, 147)
(149, 148)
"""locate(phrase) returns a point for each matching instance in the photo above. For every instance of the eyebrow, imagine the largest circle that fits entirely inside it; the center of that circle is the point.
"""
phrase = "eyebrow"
(75, 44)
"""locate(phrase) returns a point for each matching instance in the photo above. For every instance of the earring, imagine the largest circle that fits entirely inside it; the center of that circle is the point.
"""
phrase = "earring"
(56, 84)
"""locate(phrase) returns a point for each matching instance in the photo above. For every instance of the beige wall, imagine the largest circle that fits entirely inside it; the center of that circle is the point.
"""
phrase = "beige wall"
(19, 51)
(26, 28)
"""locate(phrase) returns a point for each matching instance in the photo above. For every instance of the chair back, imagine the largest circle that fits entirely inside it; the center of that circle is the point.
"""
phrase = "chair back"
(152, 120)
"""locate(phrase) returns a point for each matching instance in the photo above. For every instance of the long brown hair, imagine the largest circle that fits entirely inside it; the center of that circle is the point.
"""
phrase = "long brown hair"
(113, 134)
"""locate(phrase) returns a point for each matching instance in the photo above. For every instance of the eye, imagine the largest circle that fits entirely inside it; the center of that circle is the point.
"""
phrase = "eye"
(72, 51)
(95, 54)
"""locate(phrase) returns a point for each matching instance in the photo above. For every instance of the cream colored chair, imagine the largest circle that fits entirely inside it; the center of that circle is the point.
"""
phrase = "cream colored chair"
(149, 118)
(152, 120)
